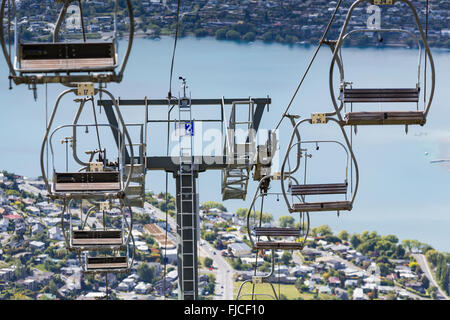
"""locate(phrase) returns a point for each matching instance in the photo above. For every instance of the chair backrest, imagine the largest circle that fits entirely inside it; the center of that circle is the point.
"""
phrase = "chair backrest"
(317, 189)
(380, 95)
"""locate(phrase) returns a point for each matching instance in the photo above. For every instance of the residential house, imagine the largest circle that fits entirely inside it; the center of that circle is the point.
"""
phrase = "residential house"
(143, 288)
(37, 229)
(358, 294)
(55, 233)
(240, 249)
(334, 281)
(301, 270)
(351, 283)
(324, 289)
(37, 245)
(4, 224)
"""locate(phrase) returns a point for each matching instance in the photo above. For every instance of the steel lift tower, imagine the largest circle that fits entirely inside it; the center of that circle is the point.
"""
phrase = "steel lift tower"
(186, 170)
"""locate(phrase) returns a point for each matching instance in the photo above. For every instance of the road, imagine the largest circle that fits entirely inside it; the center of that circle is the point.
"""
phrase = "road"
(223, 271)
(421, 260)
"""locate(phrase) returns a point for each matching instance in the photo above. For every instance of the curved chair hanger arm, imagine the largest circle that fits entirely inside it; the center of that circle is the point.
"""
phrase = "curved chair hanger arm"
(428, 52)
(257, 193)
(283, 173)
(74, 134)
(2, 39)
(355, 163)
(82, 21)
(61, 16)
(125, 132)
(130, 39)
(52, 117)
(66, 207)
(89, 212)
(272, 271)
(297, 134)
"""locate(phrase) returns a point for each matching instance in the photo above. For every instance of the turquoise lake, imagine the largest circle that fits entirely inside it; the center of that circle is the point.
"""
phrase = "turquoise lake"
(400, 192)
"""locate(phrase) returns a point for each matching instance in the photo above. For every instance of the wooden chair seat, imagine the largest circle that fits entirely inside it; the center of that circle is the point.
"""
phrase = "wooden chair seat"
(316, 189)
(269, 245)
(385, 118)
(322, 206)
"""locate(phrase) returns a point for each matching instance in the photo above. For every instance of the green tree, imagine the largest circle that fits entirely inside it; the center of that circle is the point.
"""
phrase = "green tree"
(52, 287)
(286, 221)
(432, 256)
(208, 262)
(241, 212)
(213, 204)
(233, 35)
(145, 272)
(344, 235)
(249, 36)
(355, 241)
(286, 258)
(221, 34)
(323, 231)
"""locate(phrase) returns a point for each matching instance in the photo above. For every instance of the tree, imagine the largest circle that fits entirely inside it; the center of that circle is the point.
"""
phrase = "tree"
(52, 287)
(323, 230)
(432, 292)
(344, 235)
(355, 240)
(221, 34)
(286, 221)
(208, 262)
(233, 35)
(241, 212)
(432, 256)
(145, 272)
(286, 258)
(391, 238)
(213, 204)
(249, 36)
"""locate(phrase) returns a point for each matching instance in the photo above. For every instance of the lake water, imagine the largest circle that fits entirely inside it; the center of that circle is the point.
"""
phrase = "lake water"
(400, 192)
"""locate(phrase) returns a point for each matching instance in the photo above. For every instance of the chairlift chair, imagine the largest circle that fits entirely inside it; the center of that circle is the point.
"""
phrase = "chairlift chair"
(65, 62)
(98, 179)
(350, 95)
(299, 191)
(82, 238)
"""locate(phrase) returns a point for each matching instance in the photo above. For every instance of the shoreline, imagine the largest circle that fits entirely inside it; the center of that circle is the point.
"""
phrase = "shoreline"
(301, 44)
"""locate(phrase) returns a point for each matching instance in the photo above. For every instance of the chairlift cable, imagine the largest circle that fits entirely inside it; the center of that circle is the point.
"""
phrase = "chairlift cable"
(82, 21)
(9, 38)
(174, 50)
(310, 63)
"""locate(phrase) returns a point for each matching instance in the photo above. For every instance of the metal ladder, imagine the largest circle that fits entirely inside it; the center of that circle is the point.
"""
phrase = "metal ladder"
(135, 193)
(187, 203)
(239, 156)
